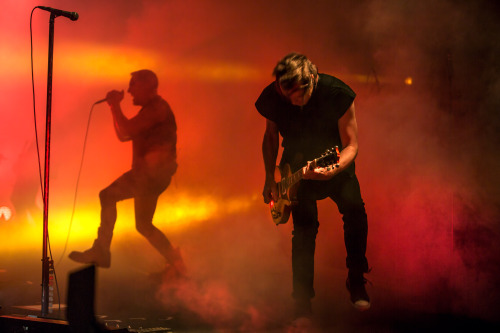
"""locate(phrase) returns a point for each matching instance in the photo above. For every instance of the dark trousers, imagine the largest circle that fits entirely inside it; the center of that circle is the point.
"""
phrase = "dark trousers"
(145, 191)
(344, 190)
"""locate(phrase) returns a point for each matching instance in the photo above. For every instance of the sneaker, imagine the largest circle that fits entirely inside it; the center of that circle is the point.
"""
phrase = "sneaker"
(175, 271)
(302, 308)
(302, 325)
(95, 255)
(303, 321)
(178, 264)
(359, 297)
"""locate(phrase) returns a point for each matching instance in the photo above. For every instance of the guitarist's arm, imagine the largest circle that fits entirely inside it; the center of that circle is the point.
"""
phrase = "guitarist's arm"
(270, 147)
(348, 130)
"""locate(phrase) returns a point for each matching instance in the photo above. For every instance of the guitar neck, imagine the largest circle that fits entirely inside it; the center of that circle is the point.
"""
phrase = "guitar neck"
(289, 181)
(293, 179)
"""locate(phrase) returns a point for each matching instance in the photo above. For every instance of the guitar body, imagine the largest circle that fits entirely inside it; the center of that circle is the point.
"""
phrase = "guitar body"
(288, 184)
(281, 209)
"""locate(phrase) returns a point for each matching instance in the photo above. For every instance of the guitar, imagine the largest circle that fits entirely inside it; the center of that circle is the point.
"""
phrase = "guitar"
(287, 191)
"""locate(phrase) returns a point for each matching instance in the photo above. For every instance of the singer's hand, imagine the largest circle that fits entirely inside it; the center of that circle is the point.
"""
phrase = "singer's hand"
(114, 97)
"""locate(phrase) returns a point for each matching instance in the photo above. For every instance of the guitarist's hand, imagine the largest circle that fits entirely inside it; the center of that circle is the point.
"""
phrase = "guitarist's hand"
(270, 191)
(319, 173)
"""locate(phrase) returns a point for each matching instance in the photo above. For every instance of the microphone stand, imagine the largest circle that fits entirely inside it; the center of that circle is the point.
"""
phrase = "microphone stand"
(47, 263)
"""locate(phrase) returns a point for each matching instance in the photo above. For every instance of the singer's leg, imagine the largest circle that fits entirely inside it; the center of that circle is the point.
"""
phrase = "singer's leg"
(145, 205)
(99, 254)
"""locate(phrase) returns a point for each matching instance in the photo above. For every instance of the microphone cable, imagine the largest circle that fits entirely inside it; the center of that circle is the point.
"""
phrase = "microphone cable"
(77, 183)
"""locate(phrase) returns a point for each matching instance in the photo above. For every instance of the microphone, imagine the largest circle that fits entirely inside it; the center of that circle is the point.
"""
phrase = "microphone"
(73, 16)
(101, 101)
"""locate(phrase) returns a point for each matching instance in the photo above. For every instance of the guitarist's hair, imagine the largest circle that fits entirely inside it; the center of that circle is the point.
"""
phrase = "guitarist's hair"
(295, 69)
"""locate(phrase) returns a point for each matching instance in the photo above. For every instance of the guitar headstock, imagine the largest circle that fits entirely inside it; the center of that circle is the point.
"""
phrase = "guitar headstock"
(330, 157)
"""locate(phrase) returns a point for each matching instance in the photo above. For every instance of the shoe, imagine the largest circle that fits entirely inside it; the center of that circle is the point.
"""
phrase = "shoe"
(96, 255)
(176, 266)
(302, 308)
(303, 321)
(302, 325)
(359, 297)
(174, 272)
(180, 268)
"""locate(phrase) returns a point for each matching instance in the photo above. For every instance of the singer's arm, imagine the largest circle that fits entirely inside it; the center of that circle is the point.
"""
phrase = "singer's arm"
(119, 118)
(114, 98)
(151, 114)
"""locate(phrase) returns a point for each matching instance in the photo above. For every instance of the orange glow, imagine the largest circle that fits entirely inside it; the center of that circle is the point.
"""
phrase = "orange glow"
(222, 72)
(113, 63)
(86, 60)
(409, 81)
(79, 61)
(13, 61)
(173, 214)
(93, 60)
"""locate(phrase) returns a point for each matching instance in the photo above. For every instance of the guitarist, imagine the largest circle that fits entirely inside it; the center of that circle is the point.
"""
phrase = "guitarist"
(313, 112)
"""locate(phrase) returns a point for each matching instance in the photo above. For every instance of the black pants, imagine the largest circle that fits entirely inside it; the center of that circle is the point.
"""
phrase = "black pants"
(145, 191)
(344, 190)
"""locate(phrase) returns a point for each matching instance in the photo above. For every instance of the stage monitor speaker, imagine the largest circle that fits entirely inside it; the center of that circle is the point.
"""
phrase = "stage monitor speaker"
(80, 311)
(23, 324)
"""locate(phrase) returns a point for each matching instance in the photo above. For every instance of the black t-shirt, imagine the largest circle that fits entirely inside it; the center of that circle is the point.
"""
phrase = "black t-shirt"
(309, 130)
(154, 137)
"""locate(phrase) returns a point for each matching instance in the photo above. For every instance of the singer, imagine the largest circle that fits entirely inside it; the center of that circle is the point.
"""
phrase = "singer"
(153, 134)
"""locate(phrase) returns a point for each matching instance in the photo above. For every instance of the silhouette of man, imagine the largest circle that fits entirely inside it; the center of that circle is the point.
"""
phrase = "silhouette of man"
(153, 134)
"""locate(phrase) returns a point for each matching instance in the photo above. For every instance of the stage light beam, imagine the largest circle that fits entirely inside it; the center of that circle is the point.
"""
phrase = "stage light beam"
(5, 213)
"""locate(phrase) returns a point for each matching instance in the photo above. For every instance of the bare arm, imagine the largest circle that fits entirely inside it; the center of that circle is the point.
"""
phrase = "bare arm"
(126, 128)
(114, 99)
(348, 130)
(270, 147)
